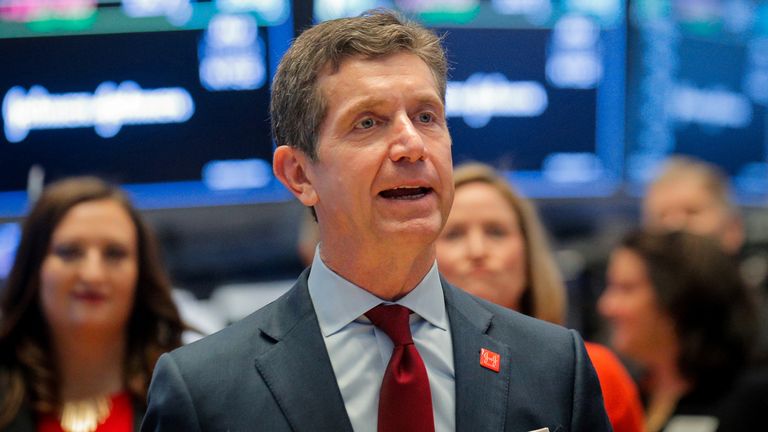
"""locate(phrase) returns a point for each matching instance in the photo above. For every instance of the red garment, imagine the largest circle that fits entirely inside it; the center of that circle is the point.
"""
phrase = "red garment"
(120, 417)
(622, 399)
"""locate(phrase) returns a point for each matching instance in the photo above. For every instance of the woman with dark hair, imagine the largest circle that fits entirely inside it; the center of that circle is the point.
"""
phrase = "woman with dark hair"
(85, 313)
(677, 306)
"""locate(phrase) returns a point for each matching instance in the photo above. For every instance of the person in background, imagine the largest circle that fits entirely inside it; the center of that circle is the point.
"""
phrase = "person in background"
(85, 313)
(370, 338)
(494, 246)
(677, 306)
(694, 195)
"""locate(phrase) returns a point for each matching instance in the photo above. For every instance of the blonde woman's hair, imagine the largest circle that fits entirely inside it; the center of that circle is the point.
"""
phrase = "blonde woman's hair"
(544, 296)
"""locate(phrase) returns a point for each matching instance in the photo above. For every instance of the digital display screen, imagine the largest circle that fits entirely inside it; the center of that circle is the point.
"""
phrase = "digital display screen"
(10, 235)
(698, 85)
(535, 88)
(177, 113)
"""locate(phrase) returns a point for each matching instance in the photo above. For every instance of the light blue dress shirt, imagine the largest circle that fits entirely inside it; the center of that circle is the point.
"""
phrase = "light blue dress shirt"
(360, 352)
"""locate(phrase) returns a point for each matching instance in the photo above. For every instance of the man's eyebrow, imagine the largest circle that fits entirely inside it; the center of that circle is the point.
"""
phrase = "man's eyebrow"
(367, 103)
(363, 104)
(430, 99)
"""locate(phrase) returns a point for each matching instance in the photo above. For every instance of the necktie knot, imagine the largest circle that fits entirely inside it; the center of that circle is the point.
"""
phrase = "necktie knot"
(393, 320)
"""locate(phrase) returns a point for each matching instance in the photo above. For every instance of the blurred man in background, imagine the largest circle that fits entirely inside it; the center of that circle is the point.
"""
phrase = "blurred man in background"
(694, 195)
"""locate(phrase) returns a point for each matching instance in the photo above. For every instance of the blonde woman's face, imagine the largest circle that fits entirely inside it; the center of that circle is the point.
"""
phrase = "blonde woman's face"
(482, 248)
(89, 274)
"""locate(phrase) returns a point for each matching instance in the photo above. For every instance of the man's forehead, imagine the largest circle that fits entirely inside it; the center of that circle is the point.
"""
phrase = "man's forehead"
(329, 71)
(343, 57)
(333, 66)
(680, 185)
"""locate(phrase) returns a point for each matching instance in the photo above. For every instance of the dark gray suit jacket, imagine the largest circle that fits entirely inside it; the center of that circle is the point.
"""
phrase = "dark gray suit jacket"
(271, 372)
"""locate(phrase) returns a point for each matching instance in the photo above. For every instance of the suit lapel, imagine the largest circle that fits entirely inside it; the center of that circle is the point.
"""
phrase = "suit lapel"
(481, 394)
(295, 365)
(310, 398)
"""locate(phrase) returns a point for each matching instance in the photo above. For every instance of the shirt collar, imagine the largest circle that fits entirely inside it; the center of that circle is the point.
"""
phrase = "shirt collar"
(338, 302)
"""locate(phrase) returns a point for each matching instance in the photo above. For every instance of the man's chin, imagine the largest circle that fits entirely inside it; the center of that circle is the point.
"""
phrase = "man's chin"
(424, 230)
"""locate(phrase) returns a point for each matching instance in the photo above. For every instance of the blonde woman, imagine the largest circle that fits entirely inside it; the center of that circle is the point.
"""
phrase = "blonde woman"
(494, 246)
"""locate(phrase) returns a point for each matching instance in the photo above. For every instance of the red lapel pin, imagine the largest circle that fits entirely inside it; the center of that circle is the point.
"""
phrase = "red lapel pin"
(490, 360)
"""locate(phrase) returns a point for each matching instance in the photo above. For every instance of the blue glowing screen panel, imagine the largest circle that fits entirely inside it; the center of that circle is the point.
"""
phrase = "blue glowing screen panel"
(197, 126)
(535, 89)
(179, 117)
(10, 234)
(549, 120)
(503, 110)
(698, 85)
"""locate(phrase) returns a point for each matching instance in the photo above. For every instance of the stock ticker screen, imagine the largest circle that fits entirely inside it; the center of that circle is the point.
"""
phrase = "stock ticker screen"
(569, 98)
(168, 98)
(698, 85)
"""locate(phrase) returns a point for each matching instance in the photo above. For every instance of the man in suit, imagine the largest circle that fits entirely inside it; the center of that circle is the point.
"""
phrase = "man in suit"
(358, 113)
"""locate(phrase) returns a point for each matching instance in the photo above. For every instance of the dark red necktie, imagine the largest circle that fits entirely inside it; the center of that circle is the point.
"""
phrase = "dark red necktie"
(405, 401)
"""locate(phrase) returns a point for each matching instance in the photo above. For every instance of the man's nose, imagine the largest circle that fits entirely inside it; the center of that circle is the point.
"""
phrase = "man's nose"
(407, 143)
(676, 220)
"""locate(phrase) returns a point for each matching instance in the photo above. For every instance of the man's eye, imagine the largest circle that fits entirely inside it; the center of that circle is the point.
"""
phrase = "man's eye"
(426, 117)
(366, 123)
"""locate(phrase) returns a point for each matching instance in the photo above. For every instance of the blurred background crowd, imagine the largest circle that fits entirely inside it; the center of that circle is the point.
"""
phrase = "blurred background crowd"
(612, 177)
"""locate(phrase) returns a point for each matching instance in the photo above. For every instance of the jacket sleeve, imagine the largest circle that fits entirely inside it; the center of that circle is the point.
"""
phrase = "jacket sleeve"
(588, 408)
(170, 406)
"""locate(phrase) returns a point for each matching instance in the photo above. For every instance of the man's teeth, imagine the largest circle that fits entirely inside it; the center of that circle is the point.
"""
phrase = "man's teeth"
(405, 192)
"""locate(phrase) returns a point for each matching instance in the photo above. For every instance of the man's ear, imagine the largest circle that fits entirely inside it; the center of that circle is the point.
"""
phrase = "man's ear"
(290, 166)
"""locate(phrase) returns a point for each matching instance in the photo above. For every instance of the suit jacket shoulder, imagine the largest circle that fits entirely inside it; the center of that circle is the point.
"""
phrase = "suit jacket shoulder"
(545, 378)
(271, 372)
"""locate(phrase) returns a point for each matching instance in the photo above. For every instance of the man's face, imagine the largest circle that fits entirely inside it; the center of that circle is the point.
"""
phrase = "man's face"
(685, 203)
(384, 171)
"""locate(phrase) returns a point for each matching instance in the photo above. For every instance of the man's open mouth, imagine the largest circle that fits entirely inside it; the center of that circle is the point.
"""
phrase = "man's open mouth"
(406, 193)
